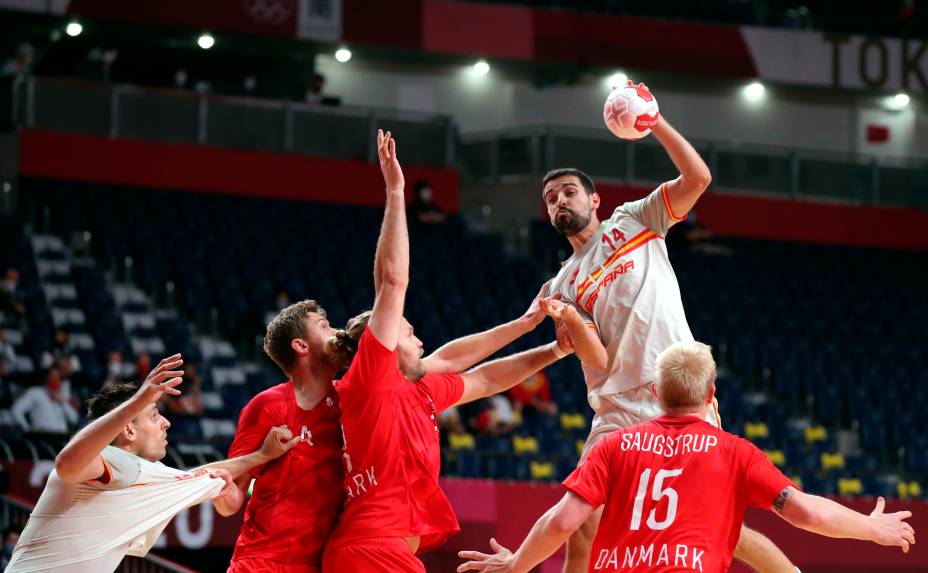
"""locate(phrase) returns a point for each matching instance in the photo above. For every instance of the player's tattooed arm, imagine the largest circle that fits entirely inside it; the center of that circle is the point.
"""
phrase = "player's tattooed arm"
(780, 503)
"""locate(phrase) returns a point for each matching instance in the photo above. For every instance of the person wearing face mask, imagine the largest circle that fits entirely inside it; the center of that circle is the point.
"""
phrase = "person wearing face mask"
(10, 301)
(115, 368)
(109, 479)
(46, 408)
(423, 210)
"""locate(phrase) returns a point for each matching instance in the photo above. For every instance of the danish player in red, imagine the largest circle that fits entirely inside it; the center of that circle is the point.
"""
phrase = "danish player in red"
(296, 498)
(659, 515)
(395, 507)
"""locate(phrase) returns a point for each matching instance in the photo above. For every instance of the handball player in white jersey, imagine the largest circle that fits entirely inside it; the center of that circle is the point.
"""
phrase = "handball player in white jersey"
(109, 495)
(620, 285)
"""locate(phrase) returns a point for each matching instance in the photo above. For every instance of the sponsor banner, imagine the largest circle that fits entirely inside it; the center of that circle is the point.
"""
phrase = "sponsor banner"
(828, 60)
(320, 20)
(56, 7)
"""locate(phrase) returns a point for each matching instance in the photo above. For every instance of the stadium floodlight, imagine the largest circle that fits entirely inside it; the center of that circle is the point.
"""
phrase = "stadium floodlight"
(74, 29)
(343, 55)
(481, 67)
(206, 41)
(617, 80)
(754, 91)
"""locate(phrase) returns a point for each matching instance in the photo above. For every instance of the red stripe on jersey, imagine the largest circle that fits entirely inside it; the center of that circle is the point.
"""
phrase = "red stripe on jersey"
(667, 204)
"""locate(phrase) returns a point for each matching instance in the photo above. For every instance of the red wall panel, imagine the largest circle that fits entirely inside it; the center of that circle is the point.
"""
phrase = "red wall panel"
(791, 220)
(80, 157)
(478, 29)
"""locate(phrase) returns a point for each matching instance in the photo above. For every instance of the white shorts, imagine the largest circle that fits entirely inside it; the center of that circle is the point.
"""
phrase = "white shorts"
(625, 409)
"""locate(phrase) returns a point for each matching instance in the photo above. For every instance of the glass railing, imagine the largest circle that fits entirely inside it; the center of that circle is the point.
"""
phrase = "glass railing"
(234, 122)
(428, 139)
(498, 155)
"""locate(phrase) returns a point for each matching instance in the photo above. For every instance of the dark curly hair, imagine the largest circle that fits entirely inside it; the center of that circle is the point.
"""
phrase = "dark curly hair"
(108, 397)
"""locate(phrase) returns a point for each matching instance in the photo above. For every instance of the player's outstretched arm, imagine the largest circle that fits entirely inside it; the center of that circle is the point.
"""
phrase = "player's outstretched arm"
(685, 190)
(585, 339)
(463, 353)
(391, 261)
(502, 374)
(80, 459)
(826, 517)
(279, 440)
(549, 533)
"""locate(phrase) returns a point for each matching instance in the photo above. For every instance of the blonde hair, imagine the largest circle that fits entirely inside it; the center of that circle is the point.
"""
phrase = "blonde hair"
(685, 376)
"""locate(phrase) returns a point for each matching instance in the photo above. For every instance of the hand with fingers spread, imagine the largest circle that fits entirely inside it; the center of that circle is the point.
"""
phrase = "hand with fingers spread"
(279, 441)
(389, 164)
(163, 379)
(499, 562)
(890, 528)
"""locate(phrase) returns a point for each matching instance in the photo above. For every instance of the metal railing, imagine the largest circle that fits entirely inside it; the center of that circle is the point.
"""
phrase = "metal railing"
(511, 154)
(182, 116)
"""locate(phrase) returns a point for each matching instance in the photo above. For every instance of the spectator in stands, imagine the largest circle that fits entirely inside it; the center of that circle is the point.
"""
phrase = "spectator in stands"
(250, 84)
(180, 79)
(190, 402)
(316, 92)
(694, 237)
(282, 302)
(533, 395)
(21, 65)
(10, 302)
(423, 210)
(115, 370)
(46, 408)
(98, 63)
(7, 354)
(497, 418)
(96, 474)
(61, 353)
(142, 364)
(10, 539)
(449, 420)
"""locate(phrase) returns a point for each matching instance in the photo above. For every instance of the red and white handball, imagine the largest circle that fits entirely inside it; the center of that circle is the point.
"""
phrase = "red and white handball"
(630, 111)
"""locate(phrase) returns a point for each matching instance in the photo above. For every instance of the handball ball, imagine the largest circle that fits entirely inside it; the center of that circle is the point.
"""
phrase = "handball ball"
(630, 111)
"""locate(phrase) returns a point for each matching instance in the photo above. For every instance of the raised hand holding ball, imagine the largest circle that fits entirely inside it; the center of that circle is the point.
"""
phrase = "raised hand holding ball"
(630, 111)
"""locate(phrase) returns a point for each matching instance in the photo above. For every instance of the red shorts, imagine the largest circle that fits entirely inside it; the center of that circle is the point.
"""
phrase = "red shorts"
(268, 566)
(372, 555)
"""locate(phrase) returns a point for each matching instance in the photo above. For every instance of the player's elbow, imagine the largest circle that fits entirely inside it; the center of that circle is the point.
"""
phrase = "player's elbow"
(565, 522)
(65, 469)
(393, 279)
(700, 179)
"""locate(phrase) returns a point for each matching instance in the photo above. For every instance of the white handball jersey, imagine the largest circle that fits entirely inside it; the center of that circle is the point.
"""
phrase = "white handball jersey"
(91, 526)
(622, 282)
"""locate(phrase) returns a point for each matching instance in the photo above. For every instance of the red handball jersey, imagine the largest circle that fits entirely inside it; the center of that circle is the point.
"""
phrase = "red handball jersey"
(392, 456)
(296, 498)
(674, 490)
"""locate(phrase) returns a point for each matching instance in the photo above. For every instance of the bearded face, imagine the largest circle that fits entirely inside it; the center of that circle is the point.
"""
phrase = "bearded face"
(570, 207)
